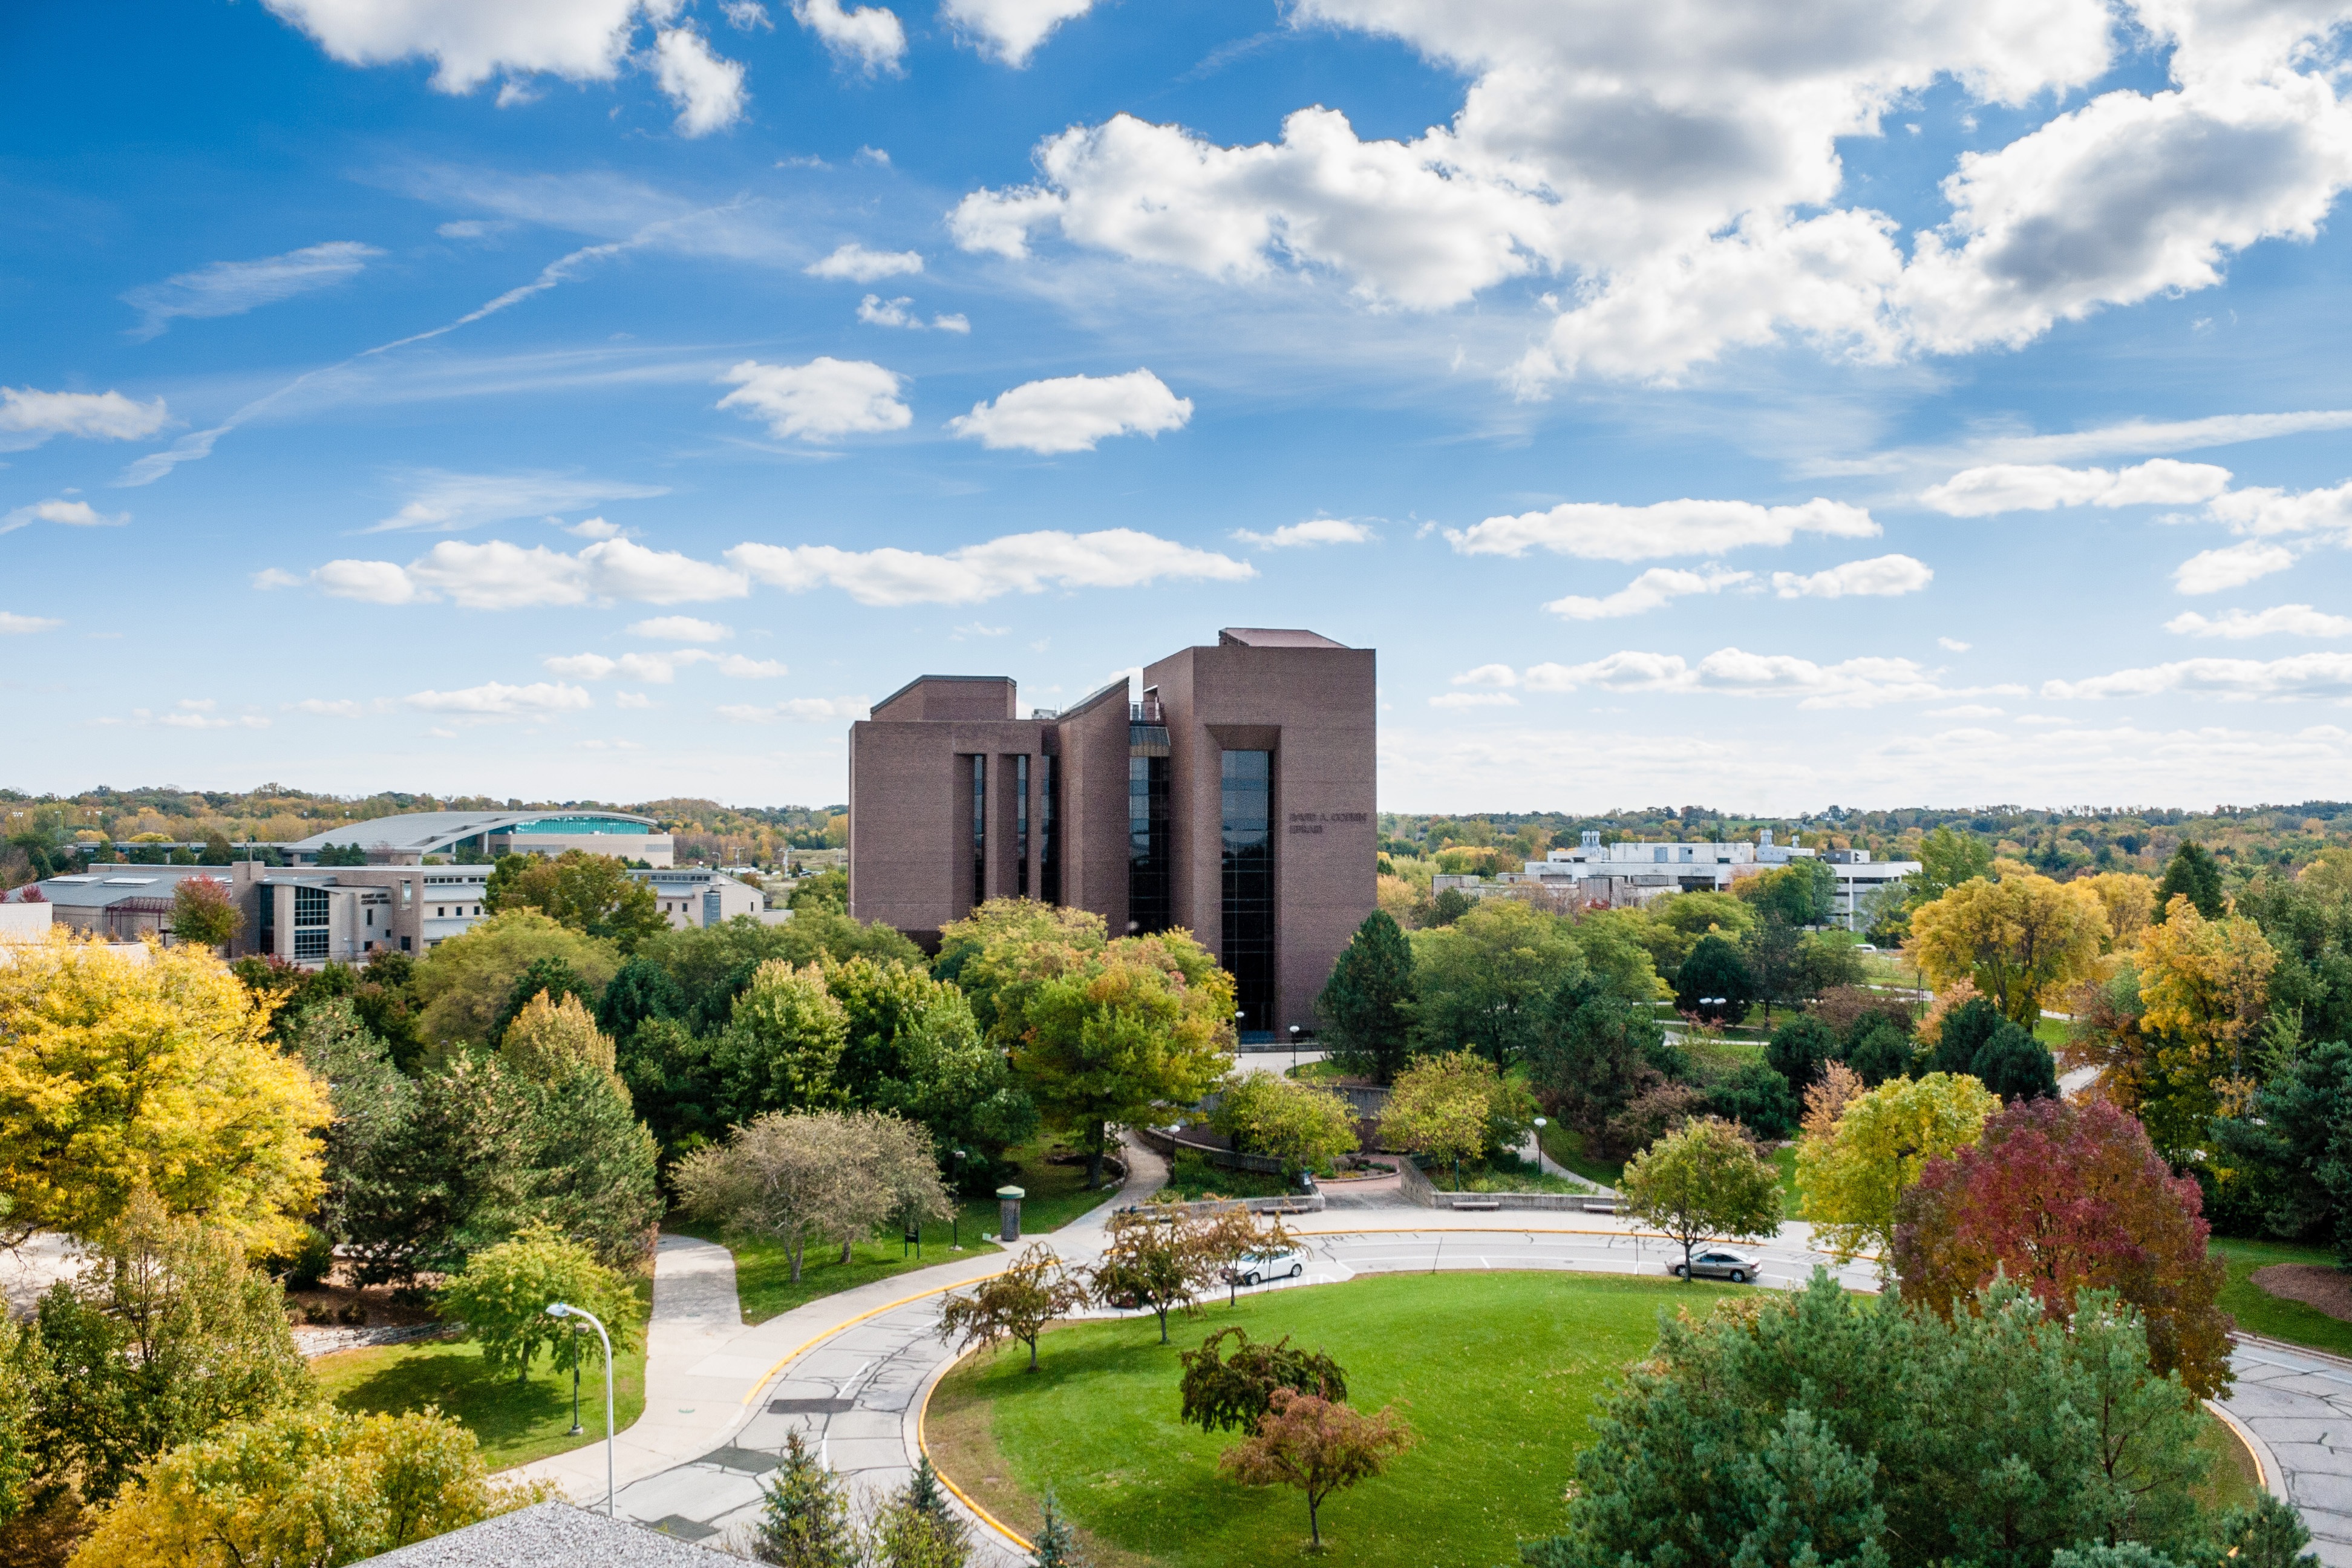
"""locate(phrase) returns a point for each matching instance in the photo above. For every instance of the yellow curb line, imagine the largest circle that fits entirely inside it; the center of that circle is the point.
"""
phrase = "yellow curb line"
(923, 1446)
(769, 1376)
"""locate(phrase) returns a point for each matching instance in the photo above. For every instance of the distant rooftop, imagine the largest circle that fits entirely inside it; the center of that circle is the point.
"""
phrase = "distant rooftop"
(427, 832)
(1275, 637)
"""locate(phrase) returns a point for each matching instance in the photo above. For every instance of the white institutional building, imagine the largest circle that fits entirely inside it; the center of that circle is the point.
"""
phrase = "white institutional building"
(1633, 873)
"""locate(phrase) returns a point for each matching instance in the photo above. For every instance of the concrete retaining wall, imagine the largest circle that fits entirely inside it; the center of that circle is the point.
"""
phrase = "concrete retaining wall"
(1415, 1185)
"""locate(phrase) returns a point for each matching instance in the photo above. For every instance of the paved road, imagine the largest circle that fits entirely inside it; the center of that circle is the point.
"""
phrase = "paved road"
(861, 1365)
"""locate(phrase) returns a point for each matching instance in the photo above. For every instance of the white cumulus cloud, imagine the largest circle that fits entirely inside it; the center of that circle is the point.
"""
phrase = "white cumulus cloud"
(1015, 563)
(233, 287)
(2039, 487)
(1071, 412)
(1488, 675)
(16, 625)
(2299, 675)
(853, 263)
(1011, 30)
(499, 575)
(1657, 586)
(1600, 531)
(2231, 566)
(1880, 577)
(28, 417)
(71, 513)
(2264, 512)
(799, 710)
(707, 91)
(868, 37)
(823, 400)
(1314, 531)
(2278, 620)
(680, 628)
(497, 700)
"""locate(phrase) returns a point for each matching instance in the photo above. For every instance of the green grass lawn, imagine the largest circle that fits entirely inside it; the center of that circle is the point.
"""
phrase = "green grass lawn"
(763, 1275)
(1785, 1161)
(1566, 1148)
(2260, 1312)
(1317, 1072)
(516, 1423)
(1500, 1415)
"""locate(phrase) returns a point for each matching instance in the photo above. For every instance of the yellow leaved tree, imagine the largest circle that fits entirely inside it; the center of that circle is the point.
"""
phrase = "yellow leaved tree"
(1876, 1148)
(2204, 987)
(123, 1073)
(2021, 939)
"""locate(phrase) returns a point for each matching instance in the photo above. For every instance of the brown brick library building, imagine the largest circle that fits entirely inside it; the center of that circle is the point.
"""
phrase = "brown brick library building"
(1234, 801)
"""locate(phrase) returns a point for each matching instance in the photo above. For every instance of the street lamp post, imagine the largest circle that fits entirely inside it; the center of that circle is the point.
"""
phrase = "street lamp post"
(575, 1383)
(564, 1310)
(1541, 1125)
(1294, 1050)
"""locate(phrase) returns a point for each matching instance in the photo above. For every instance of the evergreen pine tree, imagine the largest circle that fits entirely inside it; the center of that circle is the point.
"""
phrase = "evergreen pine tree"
(924, 1492)
(1367, 1004)
(1057, 1545)
(805, 1523)
(2193, 872)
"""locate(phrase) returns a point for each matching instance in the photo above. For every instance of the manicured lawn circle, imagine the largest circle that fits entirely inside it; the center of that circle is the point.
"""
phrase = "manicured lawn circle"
(1497, 1372)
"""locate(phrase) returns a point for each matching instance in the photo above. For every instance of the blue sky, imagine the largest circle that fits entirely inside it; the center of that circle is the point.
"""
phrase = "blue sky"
(1694, 402)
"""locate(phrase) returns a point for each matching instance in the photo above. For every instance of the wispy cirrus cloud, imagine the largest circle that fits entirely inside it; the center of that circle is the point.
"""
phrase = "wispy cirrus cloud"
(233, 287)
(1014, 564)
(1602, 531)
(2278, 620)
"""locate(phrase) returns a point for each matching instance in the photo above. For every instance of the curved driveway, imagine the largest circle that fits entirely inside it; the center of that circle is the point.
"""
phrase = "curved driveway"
(851, 1373)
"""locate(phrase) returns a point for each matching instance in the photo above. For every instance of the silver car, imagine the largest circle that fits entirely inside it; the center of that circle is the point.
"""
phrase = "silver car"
(1719, 1263)
(1260, 1266)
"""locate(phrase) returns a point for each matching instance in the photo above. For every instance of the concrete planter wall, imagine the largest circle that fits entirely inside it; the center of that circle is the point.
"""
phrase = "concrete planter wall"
(1413, 1183)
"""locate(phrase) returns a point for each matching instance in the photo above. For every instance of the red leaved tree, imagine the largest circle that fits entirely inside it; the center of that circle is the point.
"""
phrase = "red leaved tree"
(2063, 1198)
(1319, 1445)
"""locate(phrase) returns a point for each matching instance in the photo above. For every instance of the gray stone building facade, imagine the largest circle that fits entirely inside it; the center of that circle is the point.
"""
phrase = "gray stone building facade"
(1235, 800)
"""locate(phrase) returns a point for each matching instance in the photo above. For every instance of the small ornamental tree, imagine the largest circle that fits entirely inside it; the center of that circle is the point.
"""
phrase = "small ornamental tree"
(826, 1175)
(1365, 1008)
(1014, 1305)
(1320, 1447)
(1159, 1263)
(805, 1514)
(1226, 1394)
(1714, 983)
(204, 912)
(504, 1291)
(1879, 1144)
(1453, 1108)
(1300, 1125)
(1704, 1180)
(2064, 1198)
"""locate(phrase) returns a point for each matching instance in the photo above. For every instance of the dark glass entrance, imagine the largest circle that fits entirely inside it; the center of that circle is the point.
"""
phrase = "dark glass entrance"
(1248, 864)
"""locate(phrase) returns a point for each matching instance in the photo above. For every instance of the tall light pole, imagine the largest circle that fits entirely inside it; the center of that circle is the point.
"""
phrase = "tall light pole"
(1294, 1050)
(564, 1310)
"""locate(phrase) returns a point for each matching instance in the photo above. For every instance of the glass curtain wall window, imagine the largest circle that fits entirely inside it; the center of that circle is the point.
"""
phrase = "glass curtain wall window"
(1049, 836)
(1021, 826)
(1247, 786)
(1148, 853)
(310, 918)
(979, 831)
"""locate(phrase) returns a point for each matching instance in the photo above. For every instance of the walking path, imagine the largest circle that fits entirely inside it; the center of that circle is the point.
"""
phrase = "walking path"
(852, 1372)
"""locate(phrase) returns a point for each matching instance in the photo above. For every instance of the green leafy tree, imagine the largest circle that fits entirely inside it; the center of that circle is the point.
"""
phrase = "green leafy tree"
(1484, 982)
(1676, 923)
(1704, 1180)
(1017, 1305)
(1715, 981)
(1454, 1107)
(804, 1519)
(781, 1050)
(22, 1365)
(640, 991)
(1003, 941)
(1975, 1039)
(1801, 894)
(503, 1293)
(1819, 1426)
(1304, 1127)
(1946, 859)
(1757, 1098)
(205, 914)
(166, 1335)
(828, 890)
(372, 1099)
(1600, 1053)
(217, 850)
(309, 1484)
(1319, 1448)
(464, 985)
(2297, 1135)
(550, 977)
(1106, 1037)
(1231, 1392)
(2193, 874)
(1156, 1262)
(1800, 1049)
(593, 894)
(1365, 1008)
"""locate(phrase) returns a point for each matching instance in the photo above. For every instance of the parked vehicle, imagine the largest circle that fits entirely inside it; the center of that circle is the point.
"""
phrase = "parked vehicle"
(1257, 1268)
(1719, 1263)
